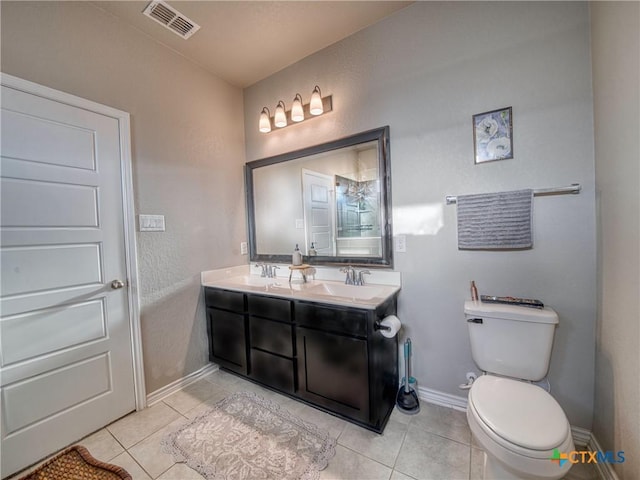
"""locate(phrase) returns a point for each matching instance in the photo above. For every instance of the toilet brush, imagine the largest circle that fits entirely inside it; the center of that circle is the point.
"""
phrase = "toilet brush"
(407, 398)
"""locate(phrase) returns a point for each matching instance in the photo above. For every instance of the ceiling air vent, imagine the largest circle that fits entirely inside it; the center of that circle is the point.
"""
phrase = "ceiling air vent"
(172, 19)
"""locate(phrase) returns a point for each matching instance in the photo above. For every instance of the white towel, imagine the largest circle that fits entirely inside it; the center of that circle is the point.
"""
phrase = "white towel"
(495, 221)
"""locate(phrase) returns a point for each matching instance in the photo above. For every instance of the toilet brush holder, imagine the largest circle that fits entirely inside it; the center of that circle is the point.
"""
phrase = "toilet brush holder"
(407, 397)
(413, 383)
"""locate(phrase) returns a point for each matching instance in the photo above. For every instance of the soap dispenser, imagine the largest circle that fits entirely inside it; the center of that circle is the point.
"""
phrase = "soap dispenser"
(312, 251)
(296, 258)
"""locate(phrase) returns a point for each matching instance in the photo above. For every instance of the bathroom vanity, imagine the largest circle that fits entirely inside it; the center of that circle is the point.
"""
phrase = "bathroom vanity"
(315, 342)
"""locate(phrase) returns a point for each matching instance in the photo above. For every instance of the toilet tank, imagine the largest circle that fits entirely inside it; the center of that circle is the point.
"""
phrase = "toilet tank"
(511, 340)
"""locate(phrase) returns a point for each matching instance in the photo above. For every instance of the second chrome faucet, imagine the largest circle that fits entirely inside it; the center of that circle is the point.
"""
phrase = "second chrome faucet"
(268, 270)
(353, 276)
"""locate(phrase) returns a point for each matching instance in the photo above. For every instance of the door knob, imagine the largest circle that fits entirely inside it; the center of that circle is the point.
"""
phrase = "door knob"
(116, 284)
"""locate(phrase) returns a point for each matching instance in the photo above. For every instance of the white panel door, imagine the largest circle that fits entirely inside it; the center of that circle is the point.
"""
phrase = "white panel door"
(319, 193)
(65, 335)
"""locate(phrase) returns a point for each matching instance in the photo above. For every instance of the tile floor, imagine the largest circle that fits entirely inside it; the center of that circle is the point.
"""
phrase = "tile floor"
(434, 444)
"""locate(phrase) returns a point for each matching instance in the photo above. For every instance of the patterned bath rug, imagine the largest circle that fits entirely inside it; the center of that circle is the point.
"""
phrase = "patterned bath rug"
(247, 437)
(76, 463)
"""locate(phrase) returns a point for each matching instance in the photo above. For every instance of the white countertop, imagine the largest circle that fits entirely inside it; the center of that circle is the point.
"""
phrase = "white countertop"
(322, 285)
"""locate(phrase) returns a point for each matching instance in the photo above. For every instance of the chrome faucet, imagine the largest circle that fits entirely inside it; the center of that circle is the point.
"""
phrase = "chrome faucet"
(350, 272)
(264, 269)
(268, 271)
(360, 278)
(353, 276)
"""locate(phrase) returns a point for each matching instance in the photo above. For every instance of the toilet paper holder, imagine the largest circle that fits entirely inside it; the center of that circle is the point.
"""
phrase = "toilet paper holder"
(388, 326)
(378, 326)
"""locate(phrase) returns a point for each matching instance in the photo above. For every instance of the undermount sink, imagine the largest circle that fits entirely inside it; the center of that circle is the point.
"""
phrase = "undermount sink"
(358, 292)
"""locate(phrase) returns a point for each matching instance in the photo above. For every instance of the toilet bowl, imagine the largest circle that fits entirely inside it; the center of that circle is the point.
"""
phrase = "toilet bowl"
(518, 425)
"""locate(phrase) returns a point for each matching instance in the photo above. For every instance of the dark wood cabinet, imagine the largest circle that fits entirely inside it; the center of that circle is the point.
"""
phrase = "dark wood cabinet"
(344, 363)
(332, 357)
(272, 370)
(271, 342)
(334, 372)
(271, 336)
(345, 320)
(227, 329)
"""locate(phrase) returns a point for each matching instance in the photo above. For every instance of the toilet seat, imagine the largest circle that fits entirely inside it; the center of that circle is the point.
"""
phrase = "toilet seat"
(519, 416)
(505, 460)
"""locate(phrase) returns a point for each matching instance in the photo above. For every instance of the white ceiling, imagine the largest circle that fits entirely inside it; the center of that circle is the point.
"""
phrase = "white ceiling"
(244, 42)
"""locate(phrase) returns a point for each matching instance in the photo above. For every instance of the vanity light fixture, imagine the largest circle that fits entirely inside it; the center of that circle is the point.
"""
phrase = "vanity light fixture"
(299, 111)
(315, 107)
(280, 117)
(265, 120)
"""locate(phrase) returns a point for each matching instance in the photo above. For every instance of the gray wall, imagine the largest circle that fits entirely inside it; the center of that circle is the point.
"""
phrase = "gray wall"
(424, 72)
(188, 152)
(616, 83)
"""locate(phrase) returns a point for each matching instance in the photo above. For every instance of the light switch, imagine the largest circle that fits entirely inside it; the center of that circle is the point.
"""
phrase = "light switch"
(299, 223)
(243, 248)
(401, 243)
(151, 223)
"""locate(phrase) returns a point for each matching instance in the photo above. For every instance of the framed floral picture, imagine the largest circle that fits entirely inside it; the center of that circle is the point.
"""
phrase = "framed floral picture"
(493, 135)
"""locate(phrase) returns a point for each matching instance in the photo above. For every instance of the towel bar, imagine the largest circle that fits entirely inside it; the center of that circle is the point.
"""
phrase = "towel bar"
(573, 188)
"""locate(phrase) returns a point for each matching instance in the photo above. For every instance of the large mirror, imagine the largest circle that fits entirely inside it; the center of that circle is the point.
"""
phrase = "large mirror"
(332, 200)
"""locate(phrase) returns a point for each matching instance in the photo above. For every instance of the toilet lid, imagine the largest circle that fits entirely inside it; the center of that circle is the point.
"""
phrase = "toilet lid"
(519, 412)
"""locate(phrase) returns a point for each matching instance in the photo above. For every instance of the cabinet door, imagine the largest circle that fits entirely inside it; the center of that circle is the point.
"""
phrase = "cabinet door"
(333, 372)
(227, 339)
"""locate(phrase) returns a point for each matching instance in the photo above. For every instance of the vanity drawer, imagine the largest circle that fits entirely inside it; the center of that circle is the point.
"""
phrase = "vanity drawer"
(272, 370)
(275, 337)
(335, 319)
(224, 299)
(268, 307)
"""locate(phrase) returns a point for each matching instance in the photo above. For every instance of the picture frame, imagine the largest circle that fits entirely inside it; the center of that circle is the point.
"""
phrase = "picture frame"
(493, 135)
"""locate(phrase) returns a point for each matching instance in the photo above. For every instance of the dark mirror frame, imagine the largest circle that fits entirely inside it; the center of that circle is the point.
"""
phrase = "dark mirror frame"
(381, 135)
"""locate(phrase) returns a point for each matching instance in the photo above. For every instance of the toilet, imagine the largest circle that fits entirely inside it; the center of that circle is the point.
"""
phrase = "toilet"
(518, 424)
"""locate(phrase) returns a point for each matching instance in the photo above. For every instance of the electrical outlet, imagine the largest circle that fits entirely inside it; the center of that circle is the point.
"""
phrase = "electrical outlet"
(401, 243)
(243, 248)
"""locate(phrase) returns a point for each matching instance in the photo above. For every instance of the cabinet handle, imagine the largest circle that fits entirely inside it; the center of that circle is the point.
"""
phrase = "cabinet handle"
(475, 320)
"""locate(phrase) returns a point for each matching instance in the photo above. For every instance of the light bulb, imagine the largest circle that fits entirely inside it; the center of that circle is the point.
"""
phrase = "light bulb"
(297, 110)
(280, 117)
(315, 107)
(265, 120)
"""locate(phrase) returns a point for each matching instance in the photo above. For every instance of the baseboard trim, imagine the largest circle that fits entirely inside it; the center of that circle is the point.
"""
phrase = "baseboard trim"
(605, 470)
(173, 387)
(443, 399)
(581, 436)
